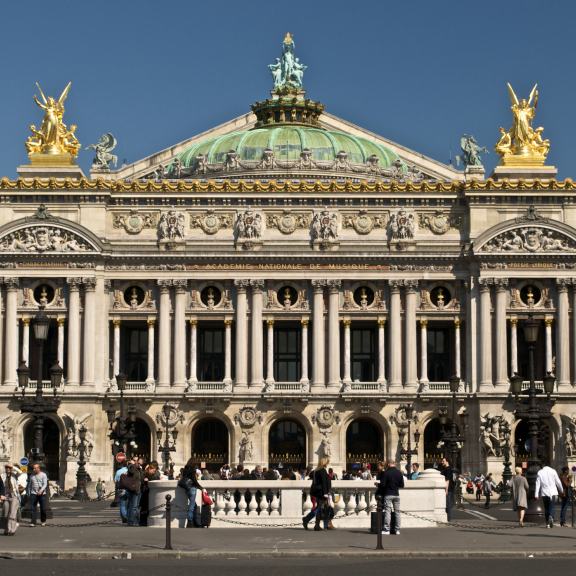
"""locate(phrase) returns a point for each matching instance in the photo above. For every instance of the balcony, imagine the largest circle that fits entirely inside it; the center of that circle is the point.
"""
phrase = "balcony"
(46, 384)
(132, 387)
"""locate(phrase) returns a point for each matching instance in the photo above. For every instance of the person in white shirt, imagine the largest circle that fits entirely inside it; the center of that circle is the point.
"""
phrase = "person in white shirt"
(548, 485)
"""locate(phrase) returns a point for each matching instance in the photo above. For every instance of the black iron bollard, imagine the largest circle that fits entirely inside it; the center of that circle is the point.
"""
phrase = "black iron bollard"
(168, 522)
(379, 509)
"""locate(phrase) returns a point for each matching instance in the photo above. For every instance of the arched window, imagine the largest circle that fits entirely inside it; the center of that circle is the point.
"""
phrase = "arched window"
(210, 443)
(287, 444)
(364, 444)
(143, 441)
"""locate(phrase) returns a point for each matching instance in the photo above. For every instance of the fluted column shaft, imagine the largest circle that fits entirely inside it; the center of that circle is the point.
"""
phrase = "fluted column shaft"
(150, 375)
(270, 351)
(346, 323)
(227, 351)
(318, 381)
(11, 360)
(241, 377)
(486, 384)
(334, 335)
(395, 339)
(381, 351)
(164, 336)
(179, 342)
(73, 373)
(562, 337)
(304, 355)
(256, 356)
(423, 351)
(411, 358)
(501, 340)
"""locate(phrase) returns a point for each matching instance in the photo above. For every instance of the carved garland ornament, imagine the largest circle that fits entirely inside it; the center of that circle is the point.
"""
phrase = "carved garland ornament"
(134, 222)
(288, 222)
(211, 222)
(325, 416)
(439, 222)
(363, 222)
(248, 416)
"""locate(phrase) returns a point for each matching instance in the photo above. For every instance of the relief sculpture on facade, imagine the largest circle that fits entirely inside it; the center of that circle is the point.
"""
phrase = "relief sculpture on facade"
(135, 222)
(530, 240)
(5, 438)
(40, 239)
(288, 222)
(211, 222)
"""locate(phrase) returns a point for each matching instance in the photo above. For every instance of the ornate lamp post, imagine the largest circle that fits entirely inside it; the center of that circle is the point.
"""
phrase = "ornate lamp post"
(451, 438)
(408, 452)
(166, 448)
(505, 433)
(39, 406)
(81, 449)
(533, 414)
(123, 438)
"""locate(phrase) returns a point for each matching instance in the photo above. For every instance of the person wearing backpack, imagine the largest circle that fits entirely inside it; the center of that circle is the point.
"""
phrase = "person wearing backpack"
(190, 485)
(487, 488)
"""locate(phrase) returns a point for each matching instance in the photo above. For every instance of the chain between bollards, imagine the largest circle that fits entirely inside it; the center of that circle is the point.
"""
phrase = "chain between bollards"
(379, 509)
(168, 522)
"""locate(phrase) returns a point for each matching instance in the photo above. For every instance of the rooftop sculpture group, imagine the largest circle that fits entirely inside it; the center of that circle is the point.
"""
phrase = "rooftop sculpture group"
(289, 70)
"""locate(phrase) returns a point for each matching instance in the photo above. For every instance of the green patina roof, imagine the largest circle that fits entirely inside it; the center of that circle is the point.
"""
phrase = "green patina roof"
(287, 142)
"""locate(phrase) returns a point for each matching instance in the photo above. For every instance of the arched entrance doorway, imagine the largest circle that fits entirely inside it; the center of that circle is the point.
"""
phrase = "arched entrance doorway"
(143, 441)
(287, 445)
(210, 444)
(51, 439)
(364, 444)
(522, 441)
(433, 450)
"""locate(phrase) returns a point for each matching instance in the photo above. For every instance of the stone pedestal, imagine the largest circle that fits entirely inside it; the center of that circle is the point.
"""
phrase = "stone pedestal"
(495, 466)
(516, 172)
(478, 172)
(32, 171)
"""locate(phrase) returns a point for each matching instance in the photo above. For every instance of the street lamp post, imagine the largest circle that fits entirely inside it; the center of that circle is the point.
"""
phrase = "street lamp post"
(408, 451)
(533, 414)
(39, 406)
(123, 438)
(166, 448)
(507, 449)
(81, 448)
(451, 438)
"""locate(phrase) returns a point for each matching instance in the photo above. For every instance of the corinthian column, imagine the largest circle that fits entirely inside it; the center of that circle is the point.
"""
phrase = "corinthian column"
(347, 323)
(502, 383)
(11, 360)
(381, 351)
(562, 337)
(150, 375)
(241, 379)
(116, 355)
(179, 338)
(73, 372)
(423, 351)
(164, 336)
(334, 335)
(193, 350)
(318, 381)
(89, 331)
(256, 356)
(486, 384)
(61, 341)
(228, 351)
(304, 354)
(457, 359)
(513, 346)
(410, 326)
(395, 338)
(548, 342)
(270, 351)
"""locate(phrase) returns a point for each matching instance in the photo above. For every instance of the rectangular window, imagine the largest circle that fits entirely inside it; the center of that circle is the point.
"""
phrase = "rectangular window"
(210, 354)
(363, 343)
(287, 354)
(137, 354)
(438, 351)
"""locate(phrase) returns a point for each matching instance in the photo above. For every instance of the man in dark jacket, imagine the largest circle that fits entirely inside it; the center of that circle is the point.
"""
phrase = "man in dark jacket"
(133, 500)
(389, 482)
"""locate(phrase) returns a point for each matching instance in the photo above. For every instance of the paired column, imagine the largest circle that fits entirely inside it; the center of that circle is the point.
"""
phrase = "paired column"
(164, 334)
(513, 346)
(548, 343)
(256, 357)
(457, 359)
(73, 378)
(304, 322)
(228, 351)
(11, 360)
(486, 384)
(270, 351)
(502, 382)
(410, 326)
(26, 341)
(193, 350)
(179, 338)
(562, 337)
(318, 334)
(574, 326)
(381, 350)
(150, 376)
(423, 351)
(241, 336)
(334, 335)
(116, 355)
(346, 323)
(395, 340)
(61, 322)
(89, 331)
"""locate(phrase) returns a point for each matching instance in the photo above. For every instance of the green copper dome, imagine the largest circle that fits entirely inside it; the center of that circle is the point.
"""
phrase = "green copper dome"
(287, 142)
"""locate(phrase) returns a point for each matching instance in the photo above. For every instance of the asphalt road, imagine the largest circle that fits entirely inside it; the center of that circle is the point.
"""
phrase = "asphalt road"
(286, 566)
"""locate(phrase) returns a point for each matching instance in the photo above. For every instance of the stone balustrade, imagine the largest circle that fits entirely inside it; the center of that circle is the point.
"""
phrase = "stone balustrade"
(268, 502)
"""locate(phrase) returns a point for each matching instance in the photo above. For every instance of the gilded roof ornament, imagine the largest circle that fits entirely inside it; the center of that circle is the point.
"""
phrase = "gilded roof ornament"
(522, 146)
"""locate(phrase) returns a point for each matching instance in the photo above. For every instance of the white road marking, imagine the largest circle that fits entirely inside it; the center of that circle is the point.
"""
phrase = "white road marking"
(479, 514)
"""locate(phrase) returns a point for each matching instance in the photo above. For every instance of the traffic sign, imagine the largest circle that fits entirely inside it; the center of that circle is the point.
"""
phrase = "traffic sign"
(24, 462)
(120, 457)
(573, 468)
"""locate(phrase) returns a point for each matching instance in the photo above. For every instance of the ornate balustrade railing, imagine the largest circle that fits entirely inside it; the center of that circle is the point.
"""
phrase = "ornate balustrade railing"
(46, 384)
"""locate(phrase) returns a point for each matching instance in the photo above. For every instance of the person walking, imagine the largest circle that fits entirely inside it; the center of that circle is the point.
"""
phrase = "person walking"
(548, 485)
(519, 487)
(37, 486)
(566, 479)
(323, 488)
(389, 482)
(10, 499)
(487, 489)
(449, 477)
(134, 493)
(189, 476)
(122, 495)
(99, 488)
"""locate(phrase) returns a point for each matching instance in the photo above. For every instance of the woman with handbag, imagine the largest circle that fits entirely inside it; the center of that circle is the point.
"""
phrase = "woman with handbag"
(323, 488)
(189, 483)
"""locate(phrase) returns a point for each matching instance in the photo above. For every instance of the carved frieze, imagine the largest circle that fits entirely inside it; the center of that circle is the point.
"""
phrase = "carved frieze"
(288, 222)
(44, 239)
(534, 239)
(211, 222)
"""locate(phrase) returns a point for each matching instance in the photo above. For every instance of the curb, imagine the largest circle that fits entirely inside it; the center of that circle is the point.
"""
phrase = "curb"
(91, 555)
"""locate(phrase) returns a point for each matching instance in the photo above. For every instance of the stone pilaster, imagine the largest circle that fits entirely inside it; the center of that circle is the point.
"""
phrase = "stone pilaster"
(318, 377)
(346, 322)
(179, 338)
(73, 372)
(89, 331)
(193, 351)
(228, 351)
(164, 334)
(381, 351)
(395, 380)
(334, 335)
(150, 372)
(411, 360)
(486, 384)
(304, 322)
(270, 351)
(502, 383)
(513, 346)
(423, 352)
(241, 377)
(562, 336)
(256, 356)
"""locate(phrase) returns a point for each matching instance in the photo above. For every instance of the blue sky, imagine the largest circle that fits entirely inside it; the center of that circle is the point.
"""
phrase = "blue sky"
(417, 72)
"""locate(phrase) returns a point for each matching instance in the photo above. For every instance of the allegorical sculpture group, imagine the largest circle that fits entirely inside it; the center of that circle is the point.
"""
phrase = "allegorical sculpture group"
(289, 70)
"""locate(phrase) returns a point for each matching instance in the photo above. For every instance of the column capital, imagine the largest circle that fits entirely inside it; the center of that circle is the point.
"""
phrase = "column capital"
(501, 284)
(116, 322)
(347, 323)
(410, 286)
(423, 322)
(381, 322)
(61, 321)
(514, 322)
(562, 284)
(318, 286)
(89, 284)
(180, 286)
(395, 286)
(74, 284)
(164, 286)
(485, 284)
(241, 286)
(26, 321)
(151, 322)
(194, 322)
(333, 286)
(305, 322)
(270, 322)
(228, 323)
(548, 322)
(12, 284)
(257, 286)
(457, 323)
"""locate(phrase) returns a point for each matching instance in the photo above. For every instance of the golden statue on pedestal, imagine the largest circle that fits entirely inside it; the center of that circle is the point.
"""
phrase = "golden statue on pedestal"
(522, 146)
(53, 144)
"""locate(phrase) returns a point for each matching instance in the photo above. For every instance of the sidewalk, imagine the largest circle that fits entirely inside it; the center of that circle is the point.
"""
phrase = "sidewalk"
(107, 541)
